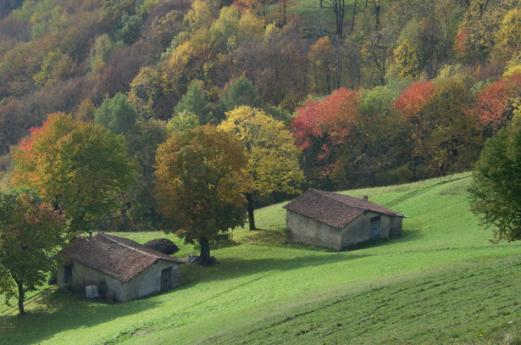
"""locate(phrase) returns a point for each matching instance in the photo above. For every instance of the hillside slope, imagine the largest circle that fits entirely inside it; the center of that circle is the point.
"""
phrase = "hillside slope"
(443, 281)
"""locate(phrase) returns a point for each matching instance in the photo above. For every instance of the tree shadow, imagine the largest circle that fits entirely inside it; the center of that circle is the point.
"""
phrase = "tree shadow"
(277, 237)
(407, 236)
(230, 268)
(58, 315)
(265, 236)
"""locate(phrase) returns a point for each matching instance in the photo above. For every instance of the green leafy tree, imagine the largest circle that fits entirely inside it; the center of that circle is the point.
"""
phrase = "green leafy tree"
(183, 121)
(407, 54)
(508, 37)
(141, 212)
(241, 92)
(55, 67)
(31, 233)
(194, 101)
(200, 181)
(90, 169)
(273, 158)
(496, 186)
(116, 114)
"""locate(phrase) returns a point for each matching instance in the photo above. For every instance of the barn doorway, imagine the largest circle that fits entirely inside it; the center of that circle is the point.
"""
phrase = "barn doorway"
(375, 228)
(67, 274)
(166, 279)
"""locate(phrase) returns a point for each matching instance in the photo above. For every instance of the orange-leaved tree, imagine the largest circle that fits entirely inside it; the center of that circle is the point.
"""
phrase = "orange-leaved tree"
(79, 168)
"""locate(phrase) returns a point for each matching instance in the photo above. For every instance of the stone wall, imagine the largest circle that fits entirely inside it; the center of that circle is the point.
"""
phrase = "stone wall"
(302, 229)
(359, 230)
(146, 283)
(149, 282)
(83, 276)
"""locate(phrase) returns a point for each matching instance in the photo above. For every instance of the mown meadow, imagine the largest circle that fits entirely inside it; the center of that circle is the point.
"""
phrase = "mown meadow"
(442, 282)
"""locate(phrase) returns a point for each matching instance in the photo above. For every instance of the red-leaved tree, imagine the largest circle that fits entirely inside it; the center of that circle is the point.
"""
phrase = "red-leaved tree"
(414, 98)
(322, 127)
(494, 102)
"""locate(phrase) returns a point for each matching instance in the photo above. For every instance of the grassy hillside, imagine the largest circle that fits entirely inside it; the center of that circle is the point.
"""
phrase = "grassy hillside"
(442, 282)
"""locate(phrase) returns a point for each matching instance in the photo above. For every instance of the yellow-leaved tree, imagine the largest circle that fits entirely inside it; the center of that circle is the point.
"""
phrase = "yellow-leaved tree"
(273, 158)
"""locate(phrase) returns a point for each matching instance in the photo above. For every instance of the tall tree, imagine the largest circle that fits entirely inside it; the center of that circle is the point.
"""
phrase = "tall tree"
(116, 114)
(495, 190)
(325, 58)
(240, 92)
(31, 233)
(90, 169)
(494, 103)
(200, 185)
(183, 121)
(339, 9)
(273, 158)
(321, 128)
(194, 101)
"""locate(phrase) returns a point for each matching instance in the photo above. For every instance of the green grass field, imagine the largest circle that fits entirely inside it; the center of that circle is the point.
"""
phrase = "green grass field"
(443, 282)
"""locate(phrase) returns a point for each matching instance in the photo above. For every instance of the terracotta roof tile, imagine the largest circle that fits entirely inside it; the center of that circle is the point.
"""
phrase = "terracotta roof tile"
(333, 209)
(118, 257)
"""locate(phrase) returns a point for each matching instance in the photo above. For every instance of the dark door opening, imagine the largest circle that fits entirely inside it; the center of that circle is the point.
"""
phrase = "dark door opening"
(67, 274)
(166, 279)
(375, 228)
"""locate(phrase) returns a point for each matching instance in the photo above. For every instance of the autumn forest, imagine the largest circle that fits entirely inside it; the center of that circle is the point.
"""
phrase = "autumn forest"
(359, 93)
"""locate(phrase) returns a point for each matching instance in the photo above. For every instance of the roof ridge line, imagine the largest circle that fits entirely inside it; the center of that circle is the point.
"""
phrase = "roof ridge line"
(345, 195)
(359, 199)
(129, 247)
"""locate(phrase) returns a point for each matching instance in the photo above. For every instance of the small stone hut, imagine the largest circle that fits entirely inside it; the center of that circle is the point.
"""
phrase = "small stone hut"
(120, 268)
(338, 221)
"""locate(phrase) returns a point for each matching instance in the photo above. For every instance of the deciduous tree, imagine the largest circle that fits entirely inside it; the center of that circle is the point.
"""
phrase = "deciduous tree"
(339, 9)
(273, 158)
(79, 168)
(494, 102)
(116, 114)
(195, 101)
(495, 190)
(240, 92)
(31, 233)
(321, 127)
(200, 185)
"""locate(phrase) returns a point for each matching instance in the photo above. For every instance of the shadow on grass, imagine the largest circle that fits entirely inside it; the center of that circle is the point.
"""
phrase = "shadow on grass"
(277, 237)
(64, 311)
(230, 268)
(407, 236)
(265, 237)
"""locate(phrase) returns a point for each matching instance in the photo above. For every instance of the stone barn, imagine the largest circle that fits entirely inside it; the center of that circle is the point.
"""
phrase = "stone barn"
(121, 269)
(338, 221)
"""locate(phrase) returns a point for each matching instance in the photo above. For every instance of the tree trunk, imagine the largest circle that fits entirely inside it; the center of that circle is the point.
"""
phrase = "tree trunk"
(353, 19)
(339, 10)
(283, 12)
(204, 256)
(21, 297)
(377, 11)
(251, 211)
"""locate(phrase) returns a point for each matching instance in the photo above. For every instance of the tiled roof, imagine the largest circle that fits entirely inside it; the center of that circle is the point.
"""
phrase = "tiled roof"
(335, 210)
(118, 257)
